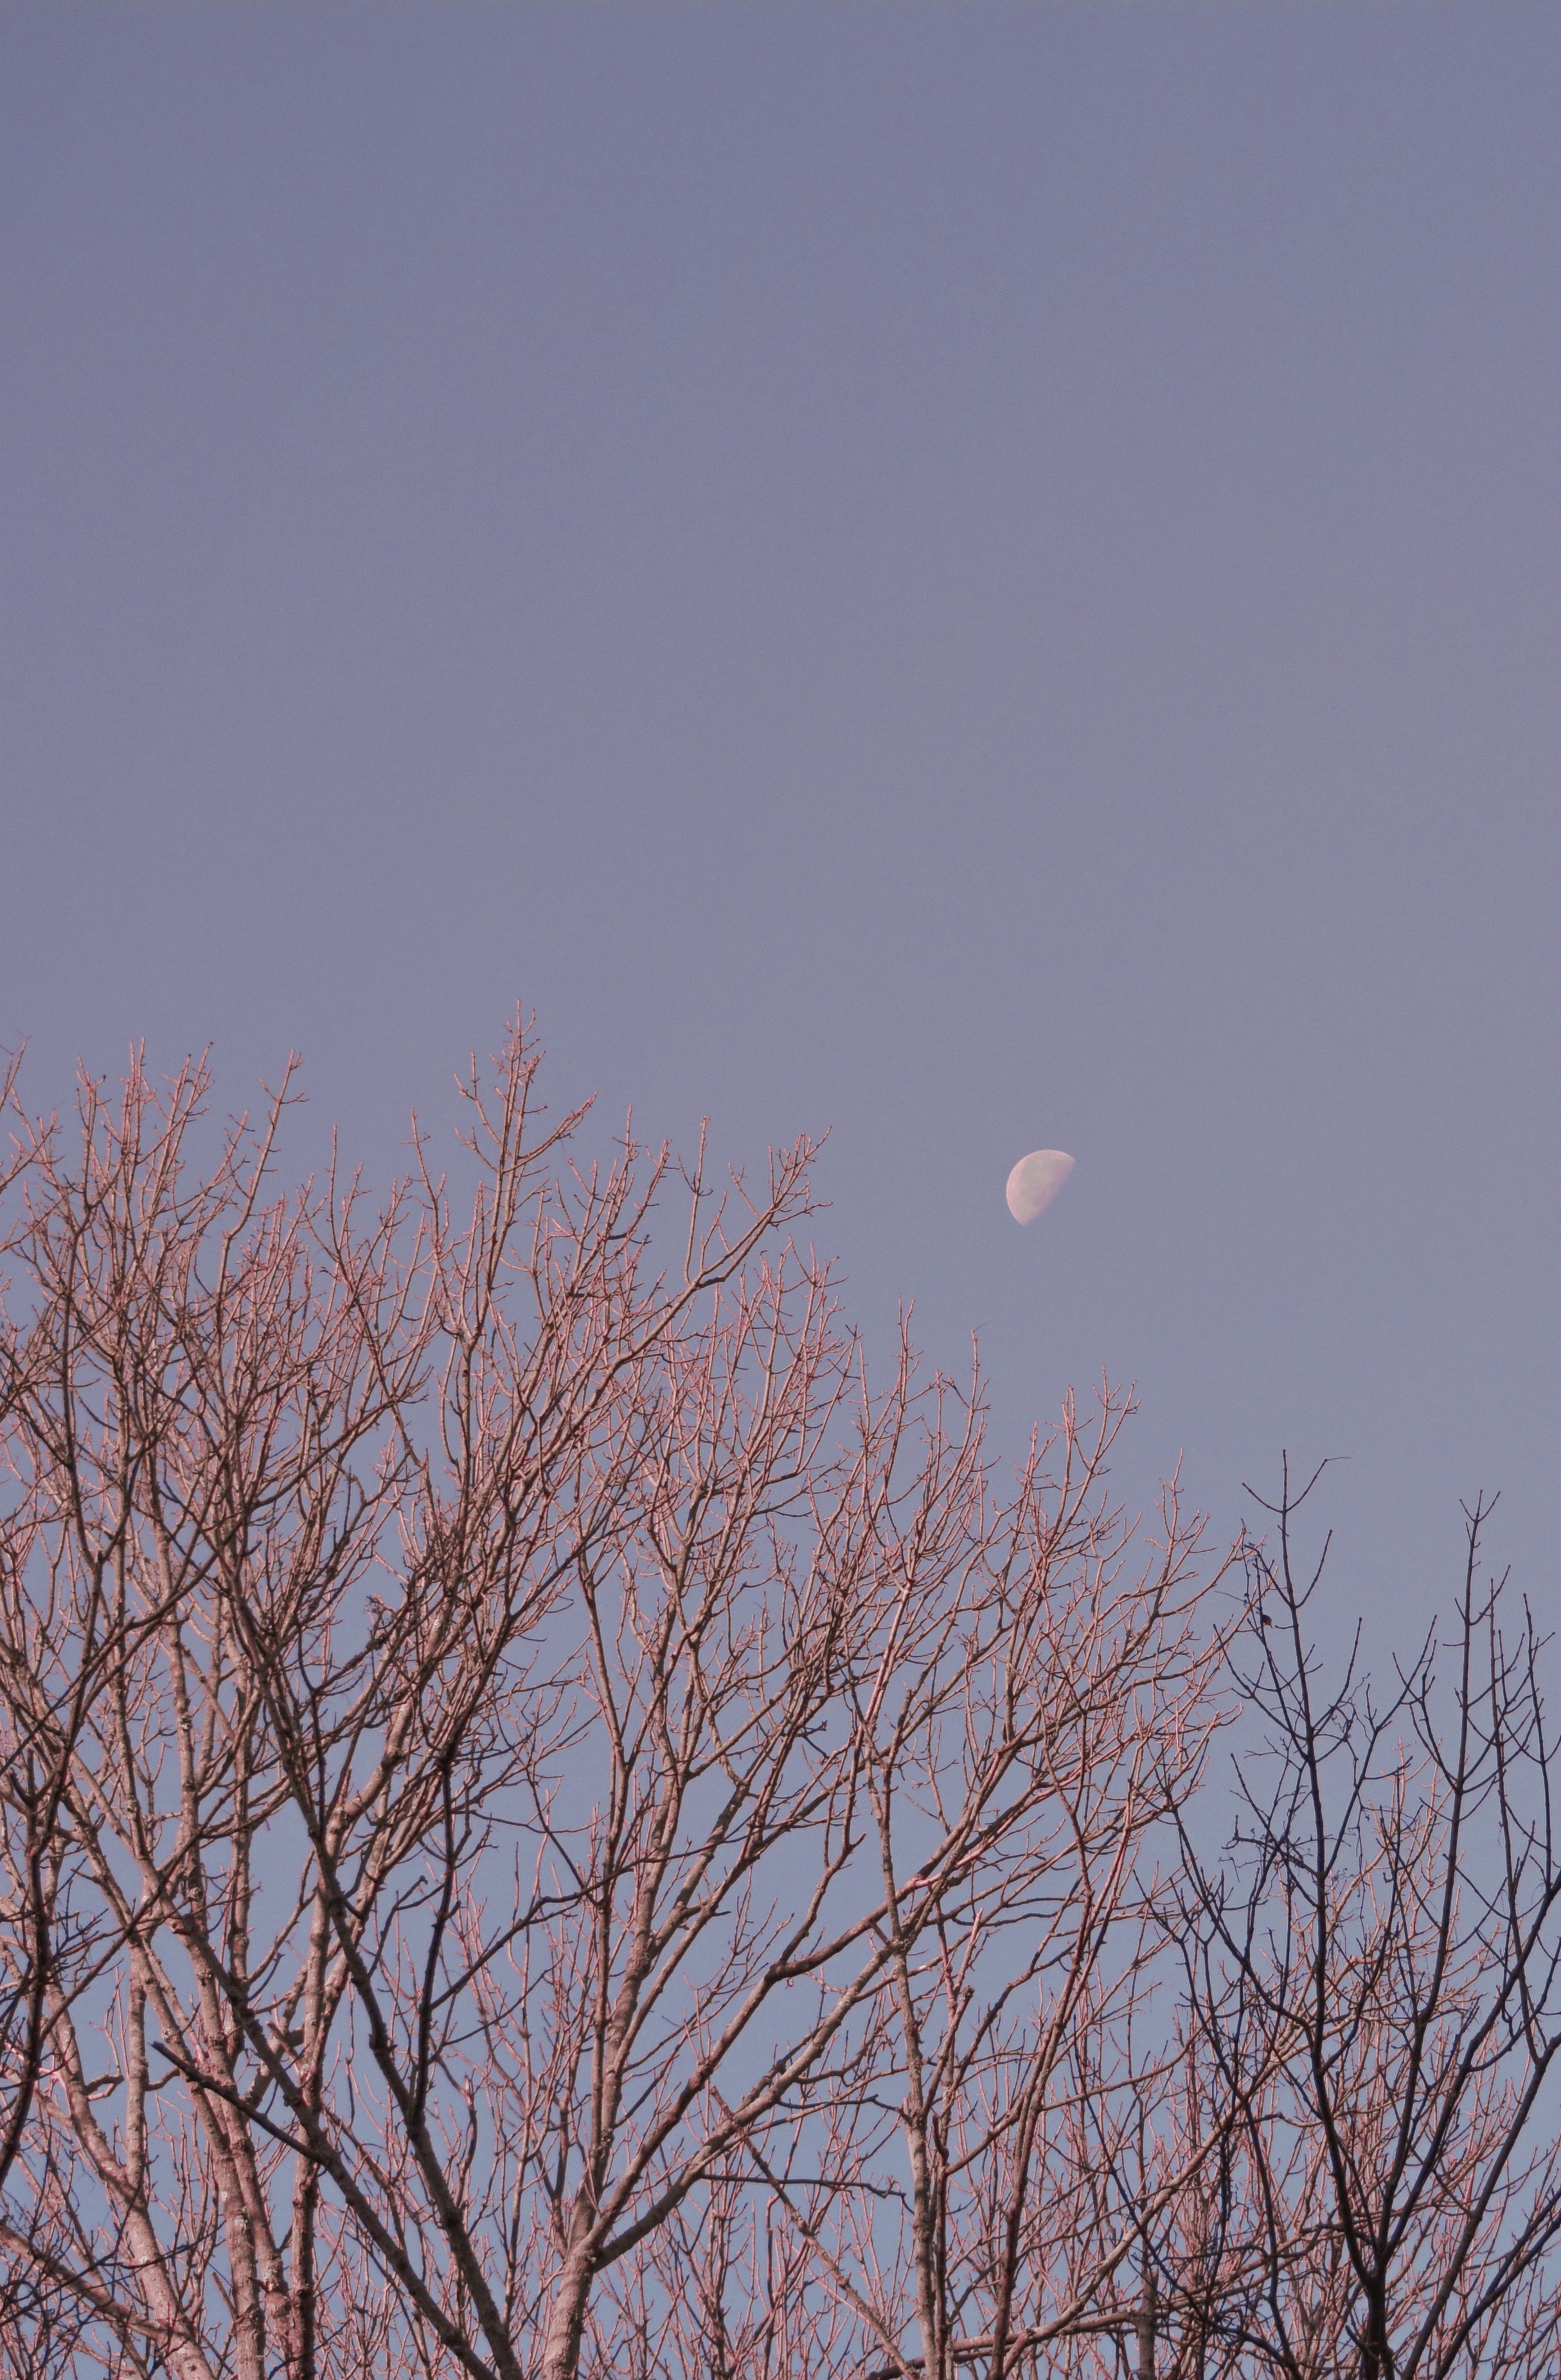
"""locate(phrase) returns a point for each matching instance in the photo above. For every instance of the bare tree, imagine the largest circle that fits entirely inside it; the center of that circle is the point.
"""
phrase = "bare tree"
(1373, 2024)
(546, 1828)
(543, 1822)
(1067, 1704)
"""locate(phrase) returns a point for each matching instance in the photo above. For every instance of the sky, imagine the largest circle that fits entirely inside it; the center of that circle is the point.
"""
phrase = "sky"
(971, 577)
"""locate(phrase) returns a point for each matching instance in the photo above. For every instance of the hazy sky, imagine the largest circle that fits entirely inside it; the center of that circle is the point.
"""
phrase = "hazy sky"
(980, 577)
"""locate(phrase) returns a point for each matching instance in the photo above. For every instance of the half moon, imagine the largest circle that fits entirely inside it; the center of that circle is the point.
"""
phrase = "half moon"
(1035, 1181)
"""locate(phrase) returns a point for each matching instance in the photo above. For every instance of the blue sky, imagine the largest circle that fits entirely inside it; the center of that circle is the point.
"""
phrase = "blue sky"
(974, 578)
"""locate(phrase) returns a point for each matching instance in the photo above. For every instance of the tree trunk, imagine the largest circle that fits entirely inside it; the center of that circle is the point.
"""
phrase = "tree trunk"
(1145, 2326)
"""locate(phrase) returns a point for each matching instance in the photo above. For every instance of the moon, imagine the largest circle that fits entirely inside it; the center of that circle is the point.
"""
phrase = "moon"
(1035, 1181)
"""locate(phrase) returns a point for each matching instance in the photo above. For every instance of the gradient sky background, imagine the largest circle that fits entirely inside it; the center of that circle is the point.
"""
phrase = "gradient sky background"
(976, 577)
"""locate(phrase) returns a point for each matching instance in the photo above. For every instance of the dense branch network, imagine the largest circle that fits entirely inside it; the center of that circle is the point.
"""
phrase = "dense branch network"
(550, 1828)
